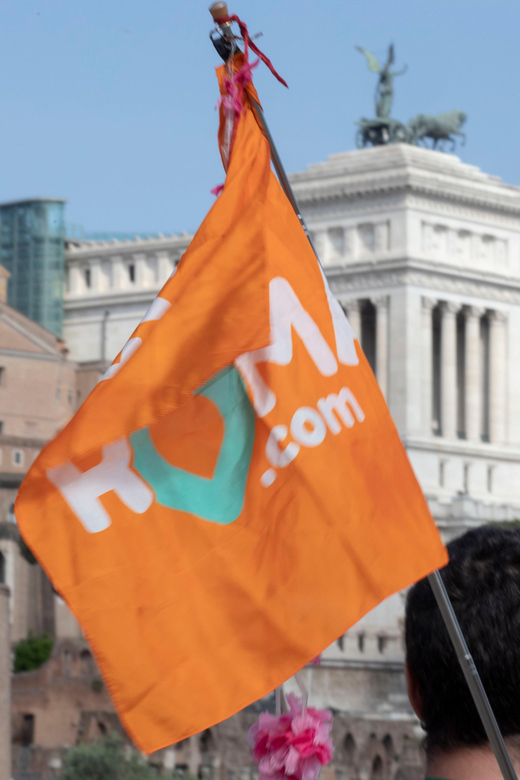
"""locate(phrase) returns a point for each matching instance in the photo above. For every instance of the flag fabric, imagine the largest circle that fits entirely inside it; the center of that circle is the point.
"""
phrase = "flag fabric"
(233, 495)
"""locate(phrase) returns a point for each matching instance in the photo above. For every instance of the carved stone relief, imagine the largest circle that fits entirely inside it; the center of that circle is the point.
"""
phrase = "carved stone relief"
(464, 247)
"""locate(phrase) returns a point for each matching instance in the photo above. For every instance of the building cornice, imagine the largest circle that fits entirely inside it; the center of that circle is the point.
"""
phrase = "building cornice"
(101, 300)
(90, 249)
(8, 480)
(27, 355)
(423, 273)
(372, 173)
(9, 531)
(463, 448)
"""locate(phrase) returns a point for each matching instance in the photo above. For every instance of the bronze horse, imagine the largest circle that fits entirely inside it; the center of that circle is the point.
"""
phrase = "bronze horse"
(438, 129)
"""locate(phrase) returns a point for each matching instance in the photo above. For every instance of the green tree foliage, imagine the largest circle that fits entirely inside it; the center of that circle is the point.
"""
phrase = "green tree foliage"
(31, 653)
(104, 760)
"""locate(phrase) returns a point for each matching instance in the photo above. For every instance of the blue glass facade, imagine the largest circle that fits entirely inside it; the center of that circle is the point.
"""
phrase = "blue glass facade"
(32, 248)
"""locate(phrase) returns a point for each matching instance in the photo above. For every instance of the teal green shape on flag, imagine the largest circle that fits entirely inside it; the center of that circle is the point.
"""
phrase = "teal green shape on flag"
(221, 498)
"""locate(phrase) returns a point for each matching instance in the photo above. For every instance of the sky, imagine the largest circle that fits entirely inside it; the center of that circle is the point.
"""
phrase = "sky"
(110, 103)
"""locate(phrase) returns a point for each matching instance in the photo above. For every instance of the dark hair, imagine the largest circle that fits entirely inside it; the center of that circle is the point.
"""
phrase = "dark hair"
(483, 582)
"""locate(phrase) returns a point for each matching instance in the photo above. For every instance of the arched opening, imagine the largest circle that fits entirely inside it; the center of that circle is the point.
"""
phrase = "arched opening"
(66, 663)
(3, 567)
(388, 745)
(27, 729)
(207, 741)
(87, 662)
(377, 769)
(208, 750)
(349, 745)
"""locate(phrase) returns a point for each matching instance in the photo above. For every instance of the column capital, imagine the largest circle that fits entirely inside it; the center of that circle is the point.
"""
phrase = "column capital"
(450, 307)
(498, 317)
(473, 312)
(380, 301)
(429, 303)
(352, 304)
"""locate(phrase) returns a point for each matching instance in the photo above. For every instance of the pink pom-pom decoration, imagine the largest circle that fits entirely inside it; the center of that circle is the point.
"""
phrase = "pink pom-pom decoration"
(295, 744)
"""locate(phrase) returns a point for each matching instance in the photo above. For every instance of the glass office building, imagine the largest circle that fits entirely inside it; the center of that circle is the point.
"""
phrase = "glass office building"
(32, 248)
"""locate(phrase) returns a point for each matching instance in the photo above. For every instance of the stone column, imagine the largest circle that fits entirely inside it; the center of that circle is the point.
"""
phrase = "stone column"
(5, 686)
(497, 377)
(354, 317)
(428, 305)
(473, 374)
(382, 303)
(319, 239)
(75, 281)
(449, 370)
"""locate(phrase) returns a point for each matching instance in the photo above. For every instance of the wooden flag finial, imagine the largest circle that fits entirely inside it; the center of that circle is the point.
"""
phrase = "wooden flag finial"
(219, 11)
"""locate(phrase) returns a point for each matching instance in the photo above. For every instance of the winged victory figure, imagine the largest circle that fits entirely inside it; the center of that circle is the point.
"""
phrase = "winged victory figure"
(385, 86)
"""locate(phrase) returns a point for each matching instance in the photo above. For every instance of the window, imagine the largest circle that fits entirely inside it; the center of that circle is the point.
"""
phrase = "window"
(442, 472)
(27, 730)
(88, 277)
(10, 515)
(466, 477)
(70, 397)
(131, 272)
(340, 642)
(1, 426)
(3, 566)
(2, 376)
(361, 642)
(66, 663)
(17, 457)
(381, 643)
(490, 470)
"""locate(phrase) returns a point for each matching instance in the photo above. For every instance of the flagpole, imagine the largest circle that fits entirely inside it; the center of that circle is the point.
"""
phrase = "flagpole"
(472, 676)
(219, 11)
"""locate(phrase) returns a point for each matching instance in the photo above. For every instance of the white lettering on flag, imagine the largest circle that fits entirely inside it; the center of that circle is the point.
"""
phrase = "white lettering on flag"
(286, 312)
(341, 405)
(81, 490)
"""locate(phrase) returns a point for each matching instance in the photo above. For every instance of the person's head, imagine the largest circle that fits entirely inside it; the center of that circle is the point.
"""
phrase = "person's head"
(483, 583)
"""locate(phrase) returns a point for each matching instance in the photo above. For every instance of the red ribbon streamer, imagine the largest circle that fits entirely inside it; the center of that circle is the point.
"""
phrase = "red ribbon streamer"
(249, 43)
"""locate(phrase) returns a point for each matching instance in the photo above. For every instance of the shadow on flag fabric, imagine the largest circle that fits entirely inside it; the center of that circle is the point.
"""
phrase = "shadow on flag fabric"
(233, 495)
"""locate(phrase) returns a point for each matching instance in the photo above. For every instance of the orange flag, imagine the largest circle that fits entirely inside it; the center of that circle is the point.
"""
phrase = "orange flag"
(233, 495)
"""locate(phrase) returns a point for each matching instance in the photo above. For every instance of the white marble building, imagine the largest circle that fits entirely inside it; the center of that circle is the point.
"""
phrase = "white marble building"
(423, 252)
(109, 286)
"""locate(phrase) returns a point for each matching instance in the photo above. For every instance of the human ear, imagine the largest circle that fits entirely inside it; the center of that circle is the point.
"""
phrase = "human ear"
(413, 692)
